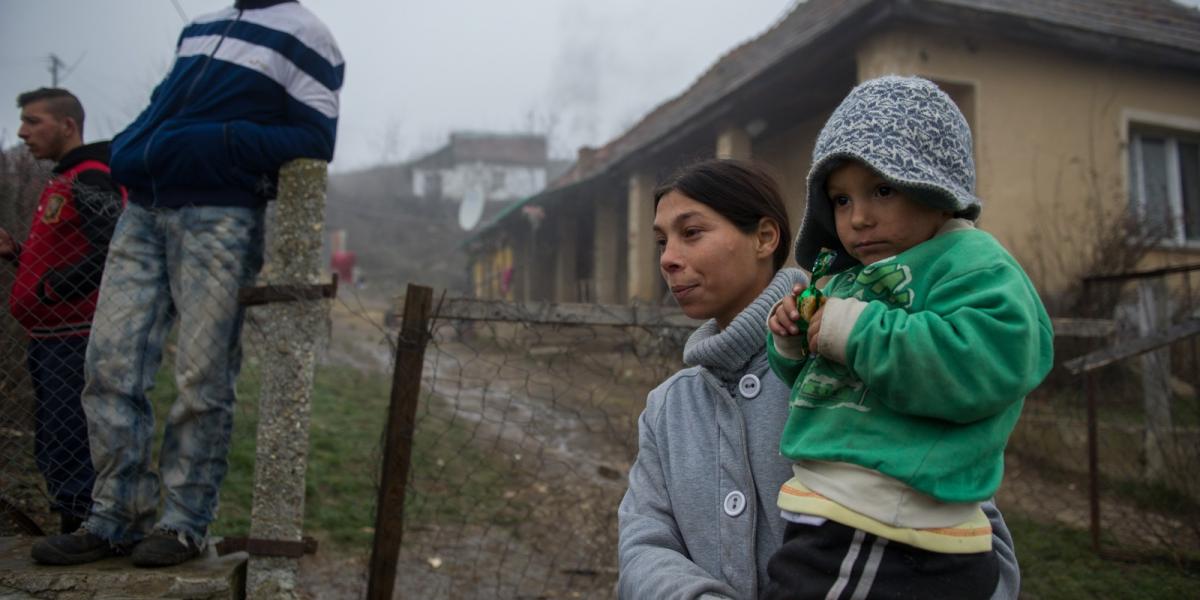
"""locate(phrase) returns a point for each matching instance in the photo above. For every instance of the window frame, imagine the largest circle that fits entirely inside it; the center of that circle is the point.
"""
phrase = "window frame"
(1172, 130)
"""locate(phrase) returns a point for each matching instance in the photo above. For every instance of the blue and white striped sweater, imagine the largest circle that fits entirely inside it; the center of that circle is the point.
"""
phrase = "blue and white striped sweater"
(249, 91)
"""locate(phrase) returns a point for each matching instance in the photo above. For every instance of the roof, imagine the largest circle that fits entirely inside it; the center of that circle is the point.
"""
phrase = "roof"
(1156, 31)
(493, 148)
(1162, 23)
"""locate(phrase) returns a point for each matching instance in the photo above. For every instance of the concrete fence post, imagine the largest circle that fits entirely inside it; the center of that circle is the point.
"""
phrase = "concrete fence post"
(1156, 373)
(290, 336)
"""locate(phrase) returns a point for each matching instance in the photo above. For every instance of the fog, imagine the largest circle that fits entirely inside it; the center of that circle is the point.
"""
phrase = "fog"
(579, 71)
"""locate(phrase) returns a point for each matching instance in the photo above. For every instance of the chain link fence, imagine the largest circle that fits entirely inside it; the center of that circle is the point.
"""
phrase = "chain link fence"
(26, 495)
(525, 428)
(46, 471)
(1110, 443)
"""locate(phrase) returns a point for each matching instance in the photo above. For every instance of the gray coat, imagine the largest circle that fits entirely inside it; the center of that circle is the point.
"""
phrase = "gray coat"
(699, 517)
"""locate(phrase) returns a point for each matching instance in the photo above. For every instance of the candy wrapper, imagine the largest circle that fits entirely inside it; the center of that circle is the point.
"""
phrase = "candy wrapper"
(811, 299)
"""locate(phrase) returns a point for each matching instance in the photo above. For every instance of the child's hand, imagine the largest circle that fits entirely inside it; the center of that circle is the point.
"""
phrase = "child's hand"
(782, 322)
(814, 329)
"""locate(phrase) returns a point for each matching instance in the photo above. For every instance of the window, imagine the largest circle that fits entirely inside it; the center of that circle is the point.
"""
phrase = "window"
(1164, 183)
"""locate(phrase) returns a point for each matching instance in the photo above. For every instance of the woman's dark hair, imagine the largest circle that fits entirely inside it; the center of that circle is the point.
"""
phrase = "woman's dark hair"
(736, 190)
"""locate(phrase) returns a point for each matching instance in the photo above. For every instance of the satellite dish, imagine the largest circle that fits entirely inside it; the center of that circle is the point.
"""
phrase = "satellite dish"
(471, 209)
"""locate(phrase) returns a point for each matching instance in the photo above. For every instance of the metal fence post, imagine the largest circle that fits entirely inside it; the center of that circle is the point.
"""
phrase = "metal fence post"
(291, 332)
(1093, 446)
(397, 450)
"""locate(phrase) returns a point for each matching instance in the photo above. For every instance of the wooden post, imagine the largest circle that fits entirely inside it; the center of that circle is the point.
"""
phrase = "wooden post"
(397, 449)
(291, 332)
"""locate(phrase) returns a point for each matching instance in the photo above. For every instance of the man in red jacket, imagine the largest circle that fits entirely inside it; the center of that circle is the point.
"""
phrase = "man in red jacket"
(54, 295)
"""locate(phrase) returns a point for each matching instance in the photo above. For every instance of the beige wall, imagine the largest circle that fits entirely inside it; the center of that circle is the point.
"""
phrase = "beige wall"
(733, 142)
(1050, 129)
(787, 153)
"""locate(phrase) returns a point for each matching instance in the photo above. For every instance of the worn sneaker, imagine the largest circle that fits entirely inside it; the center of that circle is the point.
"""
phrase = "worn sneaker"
(164, 549)
(72, 549)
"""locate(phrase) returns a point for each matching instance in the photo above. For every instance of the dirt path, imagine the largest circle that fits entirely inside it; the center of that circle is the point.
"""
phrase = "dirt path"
(1063, 499)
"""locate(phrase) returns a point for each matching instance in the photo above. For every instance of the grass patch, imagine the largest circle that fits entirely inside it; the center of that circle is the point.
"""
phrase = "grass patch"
(1154, 497)
(233, 517)
(1058, 563)
(457, 482)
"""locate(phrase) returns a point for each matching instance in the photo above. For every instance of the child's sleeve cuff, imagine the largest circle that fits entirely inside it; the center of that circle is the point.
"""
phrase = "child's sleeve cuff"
(836, 324)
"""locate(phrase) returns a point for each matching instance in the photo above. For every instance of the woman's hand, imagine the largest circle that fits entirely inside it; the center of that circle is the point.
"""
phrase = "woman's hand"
(782, 322)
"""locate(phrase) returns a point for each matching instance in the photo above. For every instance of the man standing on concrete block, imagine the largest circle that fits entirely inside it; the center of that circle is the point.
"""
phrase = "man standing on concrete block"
(54, 293)
(253, 86)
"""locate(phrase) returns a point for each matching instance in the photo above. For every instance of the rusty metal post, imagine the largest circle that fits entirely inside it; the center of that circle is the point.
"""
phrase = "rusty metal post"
(1187, 299)
(397, 450)
(291, 332)
(1093, 459)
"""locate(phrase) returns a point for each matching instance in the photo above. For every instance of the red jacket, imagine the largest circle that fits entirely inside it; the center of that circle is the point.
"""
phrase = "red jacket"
(58, 276)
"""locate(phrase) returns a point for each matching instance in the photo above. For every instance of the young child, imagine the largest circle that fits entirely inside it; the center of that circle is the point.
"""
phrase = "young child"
(912, 374)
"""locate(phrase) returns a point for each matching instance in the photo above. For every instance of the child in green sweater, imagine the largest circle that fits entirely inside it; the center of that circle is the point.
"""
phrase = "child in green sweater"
(912, 372)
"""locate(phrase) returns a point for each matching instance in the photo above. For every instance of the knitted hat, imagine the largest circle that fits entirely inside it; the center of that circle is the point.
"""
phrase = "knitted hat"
(911, 134)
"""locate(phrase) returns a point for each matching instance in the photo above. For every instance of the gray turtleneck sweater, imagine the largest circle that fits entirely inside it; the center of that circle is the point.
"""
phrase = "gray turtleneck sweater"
(699, 517)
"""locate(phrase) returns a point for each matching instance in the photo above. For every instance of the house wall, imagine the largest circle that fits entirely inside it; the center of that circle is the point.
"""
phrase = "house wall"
(491, 269)
(787, 153)
(1050, 129)
(1050, 126)
(495, 182)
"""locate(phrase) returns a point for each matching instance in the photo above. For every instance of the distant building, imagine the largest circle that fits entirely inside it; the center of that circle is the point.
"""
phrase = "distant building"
(499, 166)
(403, 220)
(1082, 111)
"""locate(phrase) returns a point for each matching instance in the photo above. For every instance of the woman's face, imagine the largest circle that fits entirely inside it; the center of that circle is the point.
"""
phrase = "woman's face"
(713, 269)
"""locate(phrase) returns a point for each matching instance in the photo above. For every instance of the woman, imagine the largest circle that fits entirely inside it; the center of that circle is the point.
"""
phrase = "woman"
(699, 518)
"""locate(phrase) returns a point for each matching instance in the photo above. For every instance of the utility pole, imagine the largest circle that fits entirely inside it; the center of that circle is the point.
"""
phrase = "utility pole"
(55, 64)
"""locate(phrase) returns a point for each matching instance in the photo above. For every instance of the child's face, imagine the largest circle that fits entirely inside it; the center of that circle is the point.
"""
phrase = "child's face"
(875, 220)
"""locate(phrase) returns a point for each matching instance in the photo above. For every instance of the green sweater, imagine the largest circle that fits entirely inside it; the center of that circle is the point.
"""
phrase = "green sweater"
(940, 346)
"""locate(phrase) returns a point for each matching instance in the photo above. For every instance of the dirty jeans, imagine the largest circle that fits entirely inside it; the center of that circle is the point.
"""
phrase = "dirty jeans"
(163, 265)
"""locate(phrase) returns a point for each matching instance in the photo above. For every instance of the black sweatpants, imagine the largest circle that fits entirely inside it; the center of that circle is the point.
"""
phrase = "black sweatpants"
(835, 562)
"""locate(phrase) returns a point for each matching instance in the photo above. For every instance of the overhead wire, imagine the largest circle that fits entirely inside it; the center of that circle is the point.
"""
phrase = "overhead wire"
(179, 9)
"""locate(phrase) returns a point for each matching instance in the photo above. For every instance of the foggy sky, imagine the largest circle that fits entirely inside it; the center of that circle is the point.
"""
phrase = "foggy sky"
(582, 70)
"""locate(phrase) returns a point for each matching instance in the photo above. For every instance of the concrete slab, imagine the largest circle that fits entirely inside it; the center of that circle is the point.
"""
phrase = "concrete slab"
(211, 577)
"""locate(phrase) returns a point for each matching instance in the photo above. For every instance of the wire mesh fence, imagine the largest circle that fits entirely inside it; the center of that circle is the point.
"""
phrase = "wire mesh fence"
(166, 349)
(1111, 444)
(526, 426)
(525, 429)
(44, 456)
